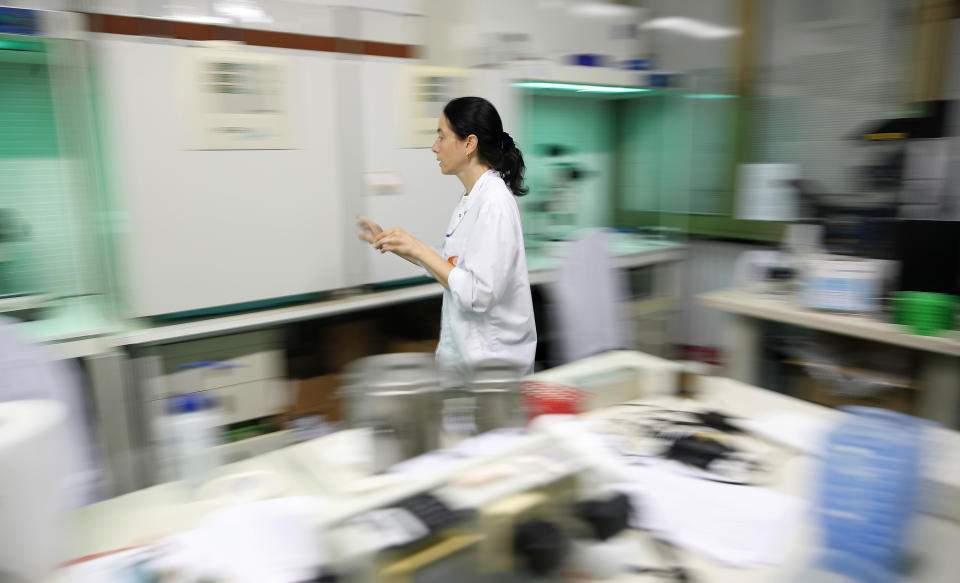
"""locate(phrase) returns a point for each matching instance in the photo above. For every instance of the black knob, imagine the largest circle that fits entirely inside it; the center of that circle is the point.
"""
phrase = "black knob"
(539, 546)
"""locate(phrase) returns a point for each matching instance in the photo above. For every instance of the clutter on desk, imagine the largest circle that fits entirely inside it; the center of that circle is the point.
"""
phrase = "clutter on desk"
(276, 540)
(915, 264)
(702, 444)
(710, 510)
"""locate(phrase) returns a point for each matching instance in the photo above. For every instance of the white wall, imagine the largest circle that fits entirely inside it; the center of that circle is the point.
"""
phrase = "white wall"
(830, 67)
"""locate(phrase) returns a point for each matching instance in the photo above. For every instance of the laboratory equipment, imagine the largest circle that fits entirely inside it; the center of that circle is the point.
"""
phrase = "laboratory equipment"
(396, 396)
(847, 284)
(496, 387)
(559, 205)
(51, 237)
(929, 254)
(12, 230)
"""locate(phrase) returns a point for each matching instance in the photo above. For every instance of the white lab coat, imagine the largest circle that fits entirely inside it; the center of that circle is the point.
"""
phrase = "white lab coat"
(488, 311)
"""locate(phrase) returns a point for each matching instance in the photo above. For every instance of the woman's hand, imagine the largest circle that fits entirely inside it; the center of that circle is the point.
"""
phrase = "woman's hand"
(368, 230)
(399, 242)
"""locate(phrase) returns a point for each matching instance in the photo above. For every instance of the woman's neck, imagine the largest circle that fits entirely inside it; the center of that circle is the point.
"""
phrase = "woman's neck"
(470, 176)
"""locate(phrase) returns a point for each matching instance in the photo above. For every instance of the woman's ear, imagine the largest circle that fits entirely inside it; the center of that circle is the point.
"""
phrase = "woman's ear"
(471, 143)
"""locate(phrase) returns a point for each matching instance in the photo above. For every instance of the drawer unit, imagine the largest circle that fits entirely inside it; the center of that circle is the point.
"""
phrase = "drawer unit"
(252, 400)
(252, 385)
(240, 369)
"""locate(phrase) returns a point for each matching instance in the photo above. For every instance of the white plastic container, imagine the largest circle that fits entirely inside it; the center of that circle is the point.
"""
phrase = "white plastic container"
(192, 426)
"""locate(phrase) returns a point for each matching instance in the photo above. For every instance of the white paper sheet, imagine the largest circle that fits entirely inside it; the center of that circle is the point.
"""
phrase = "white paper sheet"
(740, 526)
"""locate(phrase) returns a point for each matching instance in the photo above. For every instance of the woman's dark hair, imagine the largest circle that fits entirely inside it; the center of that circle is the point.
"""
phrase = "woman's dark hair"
(477, 116)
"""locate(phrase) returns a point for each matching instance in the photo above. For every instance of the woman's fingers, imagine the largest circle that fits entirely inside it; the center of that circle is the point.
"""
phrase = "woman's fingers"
(395, 240)
(388, 241)
(385, 235)
(365, 223)
(365, 236)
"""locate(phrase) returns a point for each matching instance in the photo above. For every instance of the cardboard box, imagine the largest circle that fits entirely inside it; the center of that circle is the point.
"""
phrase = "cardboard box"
(896, 399)
(404, 345)
(349, 341)
(317, 396)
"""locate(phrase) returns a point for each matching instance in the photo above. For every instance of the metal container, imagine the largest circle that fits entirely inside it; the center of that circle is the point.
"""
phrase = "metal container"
(495, 385)
(398, 396)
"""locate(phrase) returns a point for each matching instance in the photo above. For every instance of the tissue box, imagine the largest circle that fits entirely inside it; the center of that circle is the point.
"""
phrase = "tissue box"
(317, 396)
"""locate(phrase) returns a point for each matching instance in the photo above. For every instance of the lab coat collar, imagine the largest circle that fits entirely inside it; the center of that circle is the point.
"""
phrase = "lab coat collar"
(468, 201)
(477, 192)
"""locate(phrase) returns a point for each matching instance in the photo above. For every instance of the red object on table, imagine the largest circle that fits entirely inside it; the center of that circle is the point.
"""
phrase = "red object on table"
(552, 399)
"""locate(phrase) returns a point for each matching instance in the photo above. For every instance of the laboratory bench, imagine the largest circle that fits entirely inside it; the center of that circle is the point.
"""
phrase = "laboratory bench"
(323, 468)
(131, 365)
(938, 371)
(82, 328)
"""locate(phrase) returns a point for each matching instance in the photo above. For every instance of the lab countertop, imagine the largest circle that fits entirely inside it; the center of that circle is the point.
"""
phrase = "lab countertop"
(784, 309)
(314, 468)
(84, 329)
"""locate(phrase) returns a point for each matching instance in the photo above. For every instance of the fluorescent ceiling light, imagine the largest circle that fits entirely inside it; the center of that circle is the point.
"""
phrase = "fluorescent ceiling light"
(199, 18)
(690, 27)
(906, 112)
(602, 10)
(244, 11)
(711, 96)
(578, 87)
(21, 45)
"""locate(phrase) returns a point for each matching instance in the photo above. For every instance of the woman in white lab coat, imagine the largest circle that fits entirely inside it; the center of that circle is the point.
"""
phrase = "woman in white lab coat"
(487, 307)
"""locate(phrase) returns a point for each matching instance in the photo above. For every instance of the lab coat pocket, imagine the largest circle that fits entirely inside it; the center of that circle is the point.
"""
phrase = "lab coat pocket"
(452, 250)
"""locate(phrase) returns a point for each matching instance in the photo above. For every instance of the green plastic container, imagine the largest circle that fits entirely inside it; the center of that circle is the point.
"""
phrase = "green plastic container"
(923, 312)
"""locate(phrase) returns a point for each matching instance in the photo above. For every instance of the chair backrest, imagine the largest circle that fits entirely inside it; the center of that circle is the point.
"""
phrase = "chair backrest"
(590, 296)
(27, 372)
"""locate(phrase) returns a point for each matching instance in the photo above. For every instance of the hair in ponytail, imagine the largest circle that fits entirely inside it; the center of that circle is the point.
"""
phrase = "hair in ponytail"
(477, 116)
